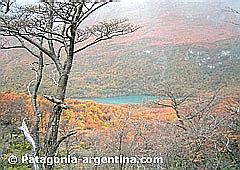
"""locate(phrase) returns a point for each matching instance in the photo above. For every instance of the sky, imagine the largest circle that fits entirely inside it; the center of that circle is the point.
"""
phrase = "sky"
(233, 3)
(26, 1)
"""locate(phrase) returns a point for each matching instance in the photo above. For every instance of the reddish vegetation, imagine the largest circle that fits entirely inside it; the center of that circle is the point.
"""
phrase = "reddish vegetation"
(187, 36)
(105, 124)
(81, 115)
(177, 30)
(87, 117)
(181, 26)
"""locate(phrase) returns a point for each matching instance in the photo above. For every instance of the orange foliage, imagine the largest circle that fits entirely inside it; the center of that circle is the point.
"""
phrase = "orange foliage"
(8, 96)
(82, 116)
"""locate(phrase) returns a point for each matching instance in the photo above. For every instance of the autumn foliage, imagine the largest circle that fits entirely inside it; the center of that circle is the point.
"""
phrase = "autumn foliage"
(104, 129)
(81, 115)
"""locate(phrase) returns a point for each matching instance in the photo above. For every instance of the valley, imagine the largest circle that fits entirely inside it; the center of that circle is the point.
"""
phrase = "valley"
(155, 79)
(206, 44)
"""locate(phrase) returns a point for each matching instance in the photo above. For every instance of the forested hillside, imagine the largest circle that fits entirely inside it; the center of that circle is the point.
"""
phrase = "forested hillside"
(129, 70)
(151, 130)
(175, 37)
(100, 81)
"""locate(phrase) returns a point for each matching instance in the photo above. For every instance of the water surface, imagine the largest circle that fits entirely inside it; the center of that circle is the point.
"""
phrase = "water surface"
(141, 99)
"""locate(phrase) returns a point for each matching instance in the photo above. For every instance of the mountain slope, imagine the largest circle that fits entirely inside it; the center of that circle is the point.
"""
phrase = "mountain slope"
(188, 44)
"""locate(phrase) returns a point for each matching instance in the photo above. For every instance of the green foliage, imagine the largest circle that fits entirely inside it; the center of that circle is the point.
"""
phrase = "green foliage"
(18, 168)
(133, 71)
(18, 149)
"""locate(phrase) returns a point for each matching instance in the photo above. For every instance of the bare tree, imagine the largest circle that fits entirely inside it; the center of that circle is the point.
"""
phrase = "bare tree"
(5, 5)
(233, 107)
(53, 30)
(177, 101)
(202, 140)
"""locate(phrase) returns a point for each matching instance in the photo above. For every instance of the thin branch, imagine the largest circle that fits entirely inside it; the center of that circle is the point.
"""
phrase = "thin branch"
(52, 77)
(97, 41)
(53, 99)
(28, 136)
(71, 133)
(90, 11)
(29, 87)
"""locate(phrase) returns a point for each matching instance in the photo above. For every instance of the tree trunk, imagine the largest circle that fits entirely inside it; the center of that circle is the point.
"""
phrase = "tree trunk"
(52, 134)
(53, 127)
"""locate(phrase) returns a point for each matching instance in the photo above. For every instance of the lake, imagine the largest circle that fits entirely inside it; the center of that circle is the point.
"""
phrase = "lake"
(122, 99)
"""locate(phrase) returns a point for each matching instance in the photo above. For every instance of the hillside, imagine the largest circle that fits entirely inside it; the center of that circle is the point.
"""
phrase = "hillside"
(131, 71)
(188, 44)
(135, 130)
(159, 90)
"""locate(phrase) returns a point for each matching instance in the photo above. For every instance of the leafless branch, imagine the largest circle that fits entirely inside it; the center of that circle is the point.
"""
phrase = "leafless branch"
(29, 138)
(71, 133)
(52, 76)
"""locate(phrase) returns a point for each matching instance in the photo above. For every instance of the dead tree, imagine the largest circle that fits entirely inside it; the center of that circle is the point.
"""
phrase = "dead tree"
(176, 101)
(209, 130)
(54, 31)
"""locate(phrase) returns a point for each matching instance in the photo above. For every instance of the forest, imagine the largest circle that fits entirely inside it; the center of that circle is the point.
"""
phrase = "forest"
(174, 65)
